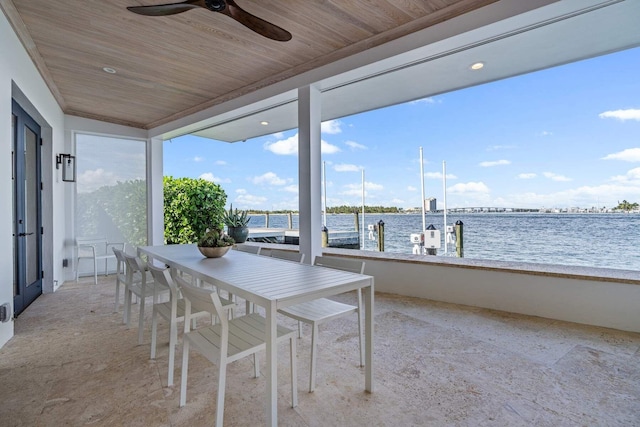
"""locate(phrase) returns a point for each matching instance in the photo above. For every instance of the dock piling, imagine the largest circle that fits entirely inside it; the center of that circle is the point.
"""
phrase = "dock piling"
(381, 236)
(459, 240)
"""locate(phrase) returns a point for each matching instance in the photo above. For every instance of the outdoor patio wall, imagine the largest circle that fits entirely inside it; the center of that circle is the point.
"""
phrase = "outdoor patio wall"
(592, 296)
(567, 297)
(19, 78)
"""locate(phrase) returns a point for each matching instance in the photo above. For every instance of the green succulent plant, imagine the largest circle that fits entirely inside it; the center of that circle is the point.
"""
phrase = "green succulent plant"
(233, 218)
(215, 238)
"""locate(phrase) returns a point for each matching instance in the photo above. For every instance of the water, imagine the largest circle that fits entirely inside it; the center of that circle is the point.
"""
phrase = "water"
(591, 240)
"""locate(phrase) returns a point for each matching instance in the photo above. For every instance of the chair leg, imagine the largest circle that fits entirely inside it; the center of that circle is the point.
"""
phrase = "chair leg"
(154, 331)
(299, 329)
(360, 324)
(115, 306)
(294, 373)
(256, 365)
(77, 268)
(173, 337)
(141, 322)
(126, 315)
(222, 379)
(95, 271)
(185, 369)
(314, 356)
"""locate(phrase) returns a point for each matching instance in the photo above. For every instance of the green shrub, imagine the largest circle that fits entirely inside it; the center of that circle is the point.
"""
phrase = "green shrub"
(190, 207)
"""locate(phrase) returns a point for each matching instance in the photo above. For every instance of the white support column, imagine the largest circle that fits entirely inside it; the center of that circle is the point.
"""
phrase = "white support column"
(309, 165)
(155, 194)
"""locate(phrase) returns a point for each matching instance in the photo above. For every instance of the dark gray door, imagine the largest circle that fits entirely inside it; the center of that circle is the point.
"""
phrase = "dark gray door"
(27, 222)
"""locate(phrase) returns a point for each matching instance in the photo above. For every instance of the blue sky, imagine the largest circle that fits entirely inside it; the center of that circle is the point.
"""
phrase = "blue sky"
(567, 136)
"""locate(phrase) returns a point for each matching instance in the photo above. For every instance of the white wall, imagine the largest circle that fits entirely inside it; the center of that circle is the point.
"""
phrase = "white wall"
(20, 78)
(570, 297)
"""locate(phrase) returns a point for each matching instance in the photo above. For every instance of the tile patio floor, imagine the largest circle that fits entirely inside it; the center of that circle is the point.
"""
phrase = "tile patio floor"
(72, 362)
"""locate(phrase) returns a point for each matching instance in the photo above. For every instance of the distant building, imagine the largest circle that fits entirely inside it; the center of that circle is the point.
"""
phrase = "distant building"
(430, 204)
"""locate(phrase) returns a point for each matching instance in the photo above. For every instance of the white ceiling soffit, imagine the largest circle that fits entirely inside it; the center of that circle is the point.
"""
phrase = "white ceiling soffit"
(553, 35)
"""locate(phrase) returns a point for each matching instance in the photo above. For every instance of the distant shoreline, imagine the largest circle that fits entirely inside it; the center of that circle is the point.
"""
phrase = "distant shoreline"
(458, 212)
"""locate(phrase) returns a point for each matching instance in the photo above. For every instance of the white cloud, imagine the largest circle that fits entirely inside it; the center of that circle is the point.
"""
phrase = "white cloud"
(603, 195)
(631, 177)
(208, 176)
(249, 200)
(546, 133)
(556, 177)
(328, 148)
(527, 175)
(628, 155)
(331, 126)
(241, 191)
(91, 180)
(291, 189)
(221, 163)
(289, 146)
(198, 159)
(494, 163)
(429, 100)
(622, 115)
(268, 178)
(397, 202)
(468, 187)
(411, 188)
(356, 189)
(343, 167)
(373, 186)
(438, 175)
(283, 147)
(278, 135)
(355, 146)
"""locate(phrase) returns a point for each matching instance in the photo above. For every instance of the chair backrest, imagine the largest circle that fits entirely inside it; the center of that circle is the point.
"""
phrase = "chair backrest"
(163, 279)
(248, 248)
(133, 263)
(121, 263)
(287, 255)
(200, 299)
(99, 244)
(344, 264)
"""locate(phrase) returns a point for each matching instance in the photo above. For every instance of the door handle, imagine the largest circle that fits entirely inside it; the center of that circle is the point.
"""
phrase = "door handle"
(24, 234)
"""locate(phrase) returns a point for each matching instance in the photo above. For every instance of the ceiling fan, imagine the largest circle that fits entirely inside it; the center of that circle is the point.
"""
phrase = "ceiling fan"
(226, 7)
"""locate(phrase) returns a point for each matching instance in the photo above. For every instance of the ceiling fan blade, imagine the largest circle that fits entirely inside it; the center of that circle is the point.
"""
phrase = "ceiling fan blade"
(166, 9)
(254, 23)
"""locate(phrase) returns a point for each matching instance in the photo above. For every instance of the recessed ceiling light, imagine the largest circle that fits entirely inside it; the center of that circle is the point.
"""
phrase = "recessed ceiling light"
(477, 66)
(109, 70)
(264, 123)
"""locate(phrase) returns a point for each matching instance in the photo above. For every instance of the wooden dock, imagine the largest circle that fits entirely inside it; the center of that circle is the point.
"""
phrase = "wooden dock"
(337, 239)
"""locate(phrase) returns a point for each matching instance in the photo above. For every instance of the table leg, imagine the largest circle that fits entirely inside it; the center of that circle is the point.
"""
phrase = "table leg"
(368, 324)
(272, 365)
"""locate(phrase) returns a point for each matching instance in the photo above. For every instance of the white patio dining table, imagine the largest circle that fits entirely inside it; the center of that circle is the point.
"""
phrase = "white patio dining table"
(272, 284)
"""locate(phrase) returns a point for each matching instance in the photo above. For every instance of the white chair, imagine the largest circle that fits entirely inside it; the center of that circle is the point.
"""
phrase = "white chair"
(95, 249)
(247, 248)
(172, 311)
(139, 283)
(121, 275)
(250, 249)
(287, 255)
(227, 341)
(322, 310)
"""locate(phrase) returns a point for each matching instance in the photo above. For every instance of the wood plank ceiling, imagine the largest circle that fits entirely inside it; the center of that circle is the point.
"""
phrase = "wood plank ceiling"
(172, 66)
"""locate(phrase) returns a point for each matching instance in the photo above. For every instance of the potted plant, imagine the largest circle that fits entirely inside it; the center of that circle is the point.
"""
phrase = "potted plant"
(236, 223)
(215, 243)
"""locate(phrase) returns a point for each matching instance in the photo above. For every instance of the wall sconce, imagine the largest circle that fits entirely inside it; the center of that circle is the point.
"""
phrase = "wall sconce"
(68, 163)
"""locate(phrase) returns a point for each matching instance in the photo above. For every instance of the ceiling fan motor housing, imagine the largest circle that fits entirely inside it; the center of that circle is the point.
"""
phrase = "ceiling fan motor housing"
(215, 5)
